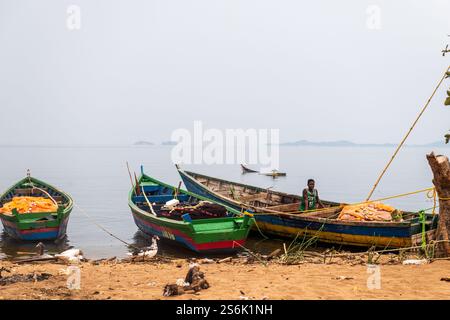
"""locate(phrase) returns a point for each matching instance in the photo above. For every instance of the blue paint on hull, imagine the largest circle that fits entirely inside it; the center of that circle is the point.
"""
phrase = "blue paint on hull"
(37, 235)
(149, 230)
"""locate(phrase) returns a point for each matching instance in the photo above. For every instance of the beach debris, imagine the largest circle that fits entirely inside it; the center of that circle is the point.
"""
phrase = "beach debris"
(4, 269)
(273, 254)
(40, 247)
(45, 257)
(30, 277)
(415, 262)
(228, 259)
(243, 298)
(181, 283)
(343, 278)
(194, 281)
(206, 261)
(71, 256)
(446, 279)
(173, 290)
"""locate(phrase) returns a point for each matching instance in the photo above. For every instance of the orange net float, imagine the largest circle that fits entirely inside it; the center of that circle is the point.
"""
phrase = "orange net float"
(25, 205)
(371, 211)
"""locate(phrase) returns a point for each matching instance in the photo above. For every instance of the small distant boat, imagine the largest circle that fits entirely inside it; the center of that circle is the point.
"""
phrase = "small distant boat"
(273, 213)
(275, 173)
(186, 218)
(247, 170)
(36, 225)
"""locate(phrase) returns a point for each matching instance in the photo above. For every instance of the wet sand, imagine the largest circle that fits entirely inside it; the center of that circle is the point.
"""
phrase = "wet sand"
(232, 280)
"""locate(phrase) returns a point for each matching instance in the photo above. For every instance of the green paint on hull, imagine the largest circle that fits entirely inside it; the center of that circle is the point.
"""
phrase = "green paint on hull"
(36, 221)
(198, 233)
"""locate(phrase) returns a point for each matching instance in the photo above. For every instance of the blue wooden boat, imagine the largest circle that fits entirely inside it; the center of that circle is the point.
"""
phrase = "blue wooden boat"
(273, 214)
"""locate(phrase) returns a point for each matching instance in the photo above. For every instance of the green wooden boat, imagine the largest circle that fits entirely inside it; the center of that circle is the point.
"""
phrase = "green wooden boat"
(186, 218)
(39, 225)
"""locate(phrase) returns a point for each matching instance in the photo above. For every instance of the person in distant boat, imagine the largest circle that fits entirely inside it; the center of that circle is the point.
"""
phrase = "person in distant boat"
(310, 200)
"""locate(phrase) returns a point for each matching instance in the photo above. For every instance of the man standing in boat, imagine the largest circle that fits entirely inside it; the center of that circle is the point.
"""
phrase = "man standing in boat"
(310, 200)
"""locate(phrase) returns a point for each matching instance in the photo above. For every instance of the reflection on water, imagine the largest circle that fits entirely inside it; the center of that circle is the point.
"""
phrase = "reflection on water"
(12, 248)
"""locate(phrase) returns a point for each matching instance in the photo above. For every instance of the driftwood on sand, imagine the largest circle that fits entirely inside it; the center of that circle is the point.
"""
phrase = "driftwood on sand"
(440, 166)
(194, 281)
(30, 277)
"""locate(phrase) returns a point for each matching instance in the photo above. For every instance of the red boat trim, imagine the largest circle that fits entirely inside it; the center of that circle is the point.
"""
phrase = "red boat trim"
(198, 246)
(38, 230)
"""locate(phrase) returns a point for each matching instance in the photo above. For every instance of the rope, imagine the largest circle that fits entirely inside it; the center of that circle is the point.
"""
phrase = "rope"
(407, 135)
(423, 220)
(359, 203)
(48, 195)
(428, 190)
(104, 229)
(148, 202)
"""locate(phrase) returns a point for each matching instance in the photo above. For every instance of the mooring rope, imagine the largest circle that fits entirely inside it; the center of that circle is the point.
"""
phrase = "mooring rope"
(407, 135)
(48, 195)
(104, 229)
(428, 190)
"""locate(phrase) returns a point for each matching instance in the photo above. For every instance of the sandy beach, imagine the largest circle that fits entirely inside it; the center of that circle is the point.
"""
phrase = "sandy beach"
(231, 280)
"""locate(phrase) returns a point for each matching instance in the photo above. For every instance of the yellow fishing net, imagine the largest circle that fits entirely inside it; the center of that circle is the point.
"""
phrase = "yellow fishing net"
(29, 205)
(372, 211)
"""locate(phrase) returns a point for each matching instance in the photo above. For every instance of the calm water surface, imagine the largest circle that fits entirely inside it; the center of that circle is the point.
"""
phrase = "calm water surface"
(97, 179)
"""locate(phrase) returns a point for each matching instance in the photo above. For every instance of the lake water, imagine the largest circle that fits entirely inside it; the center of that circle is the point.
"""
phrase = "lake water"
(97, 179)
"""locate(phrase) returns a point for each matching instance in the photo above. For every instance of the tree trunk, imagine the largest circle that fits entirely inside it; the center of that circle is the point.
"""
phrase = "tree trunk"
(441, 179)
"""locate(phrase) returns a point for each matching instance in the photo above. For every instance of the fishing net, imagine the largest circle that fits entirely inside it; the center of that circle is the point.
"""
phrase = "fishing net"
(202, 210)
(369, 212)
(29, 205)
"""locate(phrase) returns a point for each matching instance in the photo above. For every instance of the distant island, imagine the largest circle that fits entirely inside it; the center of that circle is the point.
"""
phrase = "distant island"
(144, 143)
(345, 143)
(169, 143)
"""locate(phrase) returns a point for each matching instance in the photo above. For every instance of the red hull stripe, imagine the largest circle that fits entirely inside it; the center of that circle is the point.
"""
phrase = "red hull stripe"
(38, 230)
(197, 246)
(29, 231)
(218, 245)
(173, 231)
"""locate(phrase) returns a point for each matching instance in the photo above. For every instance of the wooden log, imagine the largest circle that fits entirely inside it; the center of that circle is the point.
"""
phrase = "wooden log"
(37, 259)
(440, 166)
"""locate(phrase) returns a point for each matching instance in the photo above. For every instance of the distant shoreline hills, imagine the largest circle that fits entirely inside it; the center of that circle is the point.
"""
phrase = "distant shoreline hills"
(345, 143)
(301, 143)
(148, 143)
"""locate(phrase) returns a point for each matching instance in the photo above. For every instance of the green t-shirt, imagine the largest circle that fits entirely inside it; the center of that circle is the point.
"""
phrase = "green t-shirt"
(312, 200)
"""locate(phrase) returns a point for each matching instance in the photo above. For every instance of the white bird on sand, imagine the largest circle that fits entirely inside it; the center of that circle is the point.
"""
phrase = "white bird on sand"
(150, 251)
(71, 255)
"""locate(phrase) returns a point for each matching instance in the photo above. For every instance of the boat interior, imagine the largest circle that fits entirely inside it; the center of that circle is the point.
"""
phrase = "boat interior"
(29, 190)
(266, 200)
(159, 195)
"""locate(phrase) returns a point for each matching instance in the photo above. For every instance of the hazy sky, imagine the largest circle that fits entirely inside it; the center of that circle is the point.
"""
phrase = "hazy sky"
(137, 70)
